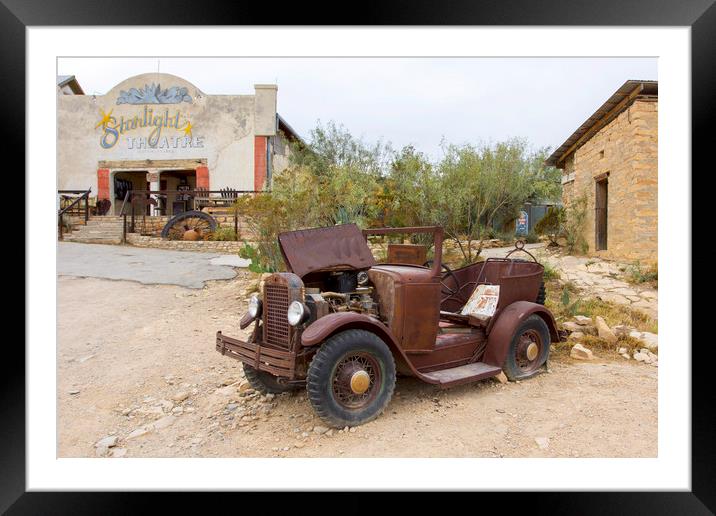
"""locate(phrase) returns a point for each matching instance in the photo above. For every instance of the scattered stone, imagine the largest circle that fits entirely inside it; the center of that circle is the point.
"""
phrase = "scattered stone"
(502, 378)
(320, 429)
(621, 330)
(572, 326)
(604, 331)
(299, 445)
(232, 406)
(581, 353)
(85, 359)
(139, 432)
(166, 405)
(650, 340)
(164, 422)
(118, 453)
(178, 410)
(583, 320)
(329, 433)
(576, 335)
(640, 357)
(180, 396)
(245, 386)
(73, 391)
(106, 442)
(352, 429)
(101, 451)
(542, 442)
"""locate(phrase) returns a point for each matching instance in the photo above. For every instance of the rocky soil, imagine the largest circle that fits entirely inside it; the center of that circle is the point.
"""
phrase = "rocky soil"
(138, 376)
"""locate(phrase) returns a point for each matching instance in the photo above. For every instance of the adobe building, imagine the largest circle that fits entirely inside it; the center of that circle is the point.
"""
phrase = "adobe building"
(612, 160)
(157, 131)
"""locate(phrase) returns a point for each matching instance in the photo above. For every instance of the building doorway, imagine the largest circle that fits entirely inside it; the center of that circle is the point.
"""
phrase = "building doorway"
(122, 182)
(601, 203)
(181, 180)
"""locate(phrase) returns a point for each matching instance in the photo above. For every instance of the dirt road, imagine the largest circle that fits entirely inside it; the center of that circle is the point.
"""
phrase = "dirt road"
(137, 362)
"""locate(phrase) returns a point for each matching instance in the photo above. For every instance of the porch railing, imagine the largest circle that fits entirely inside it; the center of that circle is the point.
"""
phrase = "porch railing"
(74, 207)
(135, 202)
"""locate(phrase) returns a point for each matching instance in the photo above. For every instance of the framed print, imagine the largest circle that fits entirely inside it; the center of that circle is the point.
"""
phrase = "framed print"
(271, 246)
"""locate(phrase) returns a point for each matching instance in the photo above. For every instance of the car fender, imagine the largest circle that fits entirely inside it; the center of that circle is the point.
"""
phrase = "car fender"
(503, 329)
(333, 323)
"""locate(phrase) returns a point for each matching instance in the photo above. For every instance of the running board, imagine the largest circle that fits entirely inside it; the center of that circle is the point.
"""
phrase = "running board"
(462, 374)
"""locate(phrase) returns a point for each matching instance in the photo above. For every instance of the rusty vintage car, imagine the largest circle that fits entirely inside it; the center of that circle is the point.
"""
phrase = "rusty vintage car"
(343, 325)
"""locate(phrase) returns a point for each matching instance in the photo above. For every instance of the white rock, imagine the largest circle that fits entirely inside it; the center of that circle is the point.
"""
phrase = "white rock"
(622, 351)
(542, 442)
(604, 331)
(106, 442)
(180, 395)
(650, 340)
(502, 378)
(581, 353)
(576, 335)
(244, 386)
(320, 429)
(164, 422)
(139, 432)
(118, 453)
(583, 320)
(640, 357)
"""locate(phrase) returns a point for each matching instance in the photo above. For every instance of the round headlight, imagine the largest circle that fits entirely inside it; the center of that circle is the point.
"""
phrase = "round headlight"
(296, 313)
(254, 306)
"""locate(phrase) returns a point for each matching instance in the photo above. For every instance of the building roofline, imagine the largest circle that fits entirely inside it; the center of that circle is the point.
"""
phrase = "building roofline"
(618, 102)
(72, 81)
(286, 128)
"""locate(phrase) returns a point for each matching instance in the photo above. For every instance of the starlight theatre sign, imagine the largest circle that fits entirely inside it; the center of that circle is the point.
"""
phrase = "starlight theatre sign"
(163, 128)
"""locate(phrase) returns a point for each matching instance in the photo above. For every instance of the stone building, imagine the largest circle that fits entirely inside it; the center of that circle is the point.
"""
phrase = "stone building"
(158, 131)
(611, 160)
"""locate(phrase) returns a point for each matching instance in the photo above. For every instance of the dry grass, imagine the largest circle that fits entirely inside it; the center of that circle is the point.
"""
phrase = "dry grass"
(613, 313)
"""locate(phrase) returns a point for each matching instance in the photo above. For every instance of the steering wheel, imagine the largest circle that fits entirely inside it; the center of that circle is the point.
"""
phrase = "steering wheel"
(446, 289)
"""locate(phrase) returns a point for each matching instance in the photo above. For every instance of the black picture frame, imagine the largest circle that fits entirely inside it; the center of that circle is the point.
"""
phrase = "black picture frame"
(700, 15)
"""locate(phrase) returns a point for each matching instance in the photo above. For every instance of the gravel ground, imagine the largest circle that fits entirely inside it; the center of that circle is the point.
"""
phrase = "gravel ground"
(137, 362)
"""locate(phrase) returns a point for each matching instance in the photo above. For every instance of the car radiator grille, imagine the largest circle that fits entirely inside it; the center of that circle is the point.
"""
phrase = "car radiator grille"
(276, 306)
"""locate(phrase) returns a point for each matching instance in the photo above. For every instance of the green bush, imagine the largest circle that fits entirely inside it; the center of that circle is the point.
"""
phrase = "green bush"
(223, 234)
(551, 224)
(248, 252)
(638, 274)
(574, 226)
(531, 238)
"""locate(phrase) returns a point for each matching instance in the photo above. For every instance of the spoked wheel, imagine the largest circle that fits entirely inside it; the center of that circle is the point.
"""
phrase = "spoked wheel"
(351, 378)
(190, 225)
(529, 349)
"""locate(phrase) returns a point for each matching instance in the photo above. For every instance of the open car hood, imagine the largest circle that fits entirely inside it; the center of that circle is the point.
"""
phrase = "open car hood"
(332, 248)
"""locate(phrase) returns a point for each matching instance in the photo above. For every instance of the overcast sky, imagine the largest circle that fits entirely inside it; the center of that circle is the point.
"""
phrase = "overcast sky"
(404, 101)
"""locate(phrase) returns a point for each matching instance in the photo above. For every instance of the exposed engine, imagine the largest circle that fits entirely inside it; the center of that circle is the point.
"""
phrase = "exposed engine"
(341, 292)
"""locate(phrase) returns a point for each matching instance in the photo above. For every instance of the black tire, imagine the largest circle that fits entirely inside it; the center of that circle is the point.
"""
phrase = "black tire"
(517, 364)
(542, 294)
(337, 406)
(264, 382)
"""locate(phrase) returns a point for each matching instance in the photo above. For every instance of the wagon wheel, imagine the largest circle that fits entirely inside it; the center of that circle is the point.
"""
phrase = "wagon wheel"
(189, 225)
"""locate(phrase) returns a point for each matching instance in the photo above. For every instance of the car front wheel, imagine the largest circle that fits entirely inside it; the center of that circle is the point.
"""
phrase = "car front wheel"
(351, 378)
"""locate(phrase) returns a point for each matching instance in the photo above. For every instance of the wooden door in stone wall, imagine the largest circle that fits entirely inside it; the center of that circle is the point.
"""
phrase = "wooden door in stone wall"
(601, 213)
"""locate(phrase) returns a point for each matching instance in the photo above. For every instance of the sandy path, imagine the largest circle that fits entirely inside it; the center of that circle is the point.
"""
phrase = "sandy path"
(129, 348)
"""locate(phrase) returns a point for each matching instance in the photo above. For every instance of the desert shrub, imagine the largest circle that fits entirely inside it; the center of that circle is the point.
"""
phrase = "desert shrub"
(223, 234)
(531, 237)
(638, 274)
(249, 252)
(551, 224)
(550, 272)
(574, 226)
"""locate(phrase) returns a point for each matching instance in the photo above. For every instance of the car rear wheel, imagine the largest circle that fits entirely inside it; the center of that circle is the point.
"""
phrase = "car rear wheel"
(529, 349)
(264, 382)
(351, 378)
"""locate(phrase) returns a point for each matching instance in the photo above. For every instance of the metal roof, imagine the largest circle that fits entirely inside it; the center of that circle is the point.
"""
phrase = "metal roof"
(72, 81)
(618, 102)
(290, 132)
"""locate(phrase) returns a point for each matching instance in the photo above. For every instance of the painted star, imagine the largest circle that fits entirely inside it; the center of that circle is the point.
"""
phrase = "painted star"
(187, 129)
(106, 117)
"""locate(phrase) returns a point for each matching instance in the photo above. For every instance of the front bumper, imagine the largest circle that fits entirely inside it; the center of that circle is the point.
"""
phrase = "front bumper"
(263, 358)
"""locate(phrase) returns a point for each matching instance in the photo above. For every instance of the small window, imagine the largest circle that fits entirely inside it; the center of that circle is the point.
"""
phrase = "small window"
(601, 154)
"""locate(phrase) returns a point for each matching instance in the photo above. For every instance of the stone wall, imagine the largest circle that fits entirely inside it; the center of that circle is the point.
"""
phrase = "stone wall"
(208, 246)
(626, 149)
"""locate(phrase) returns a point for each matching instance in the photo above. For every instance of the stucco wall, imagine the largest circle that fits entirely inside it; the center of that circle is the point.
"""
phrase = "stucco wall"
(221, 133)
(629, 144)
